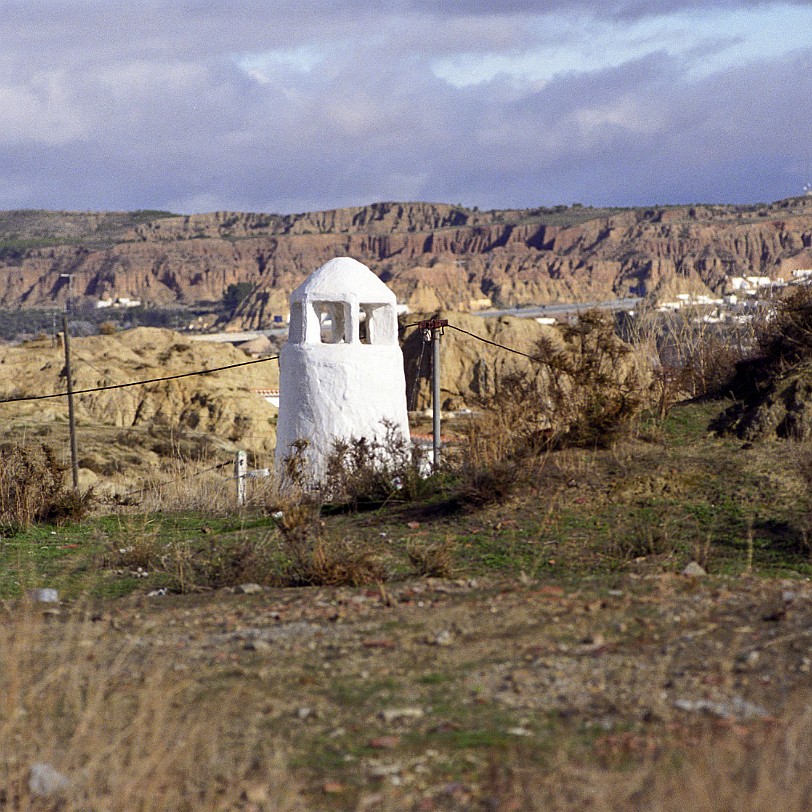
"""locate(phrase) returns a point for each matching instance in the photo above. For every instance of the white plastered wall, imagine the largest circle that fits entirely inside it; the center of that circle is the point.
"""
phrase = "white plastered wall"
(341, 372)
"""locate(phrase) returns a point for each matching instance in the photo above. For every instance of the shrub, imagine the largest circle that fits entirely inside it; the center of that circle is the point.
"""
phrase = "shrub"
(786, 339)
(32, 488)
(313, 559)
(432, 559)
(372, 472)
(189, 565)
(686, 356)
(594, 389)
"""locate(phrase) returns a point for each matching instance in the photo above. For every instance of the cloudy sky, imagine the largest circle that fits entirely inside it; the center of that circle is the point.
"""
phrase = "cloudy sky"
(283, 106)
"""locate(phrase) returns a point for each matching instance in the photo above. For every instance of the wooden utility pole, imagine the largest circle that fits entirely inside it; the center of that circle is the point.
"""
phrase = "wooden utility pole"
(432, 330)
(74, 454)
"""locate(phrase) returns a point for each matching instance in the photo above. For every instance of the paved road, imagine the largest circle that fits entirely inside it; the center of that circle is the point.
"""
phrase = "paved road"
(533, 312)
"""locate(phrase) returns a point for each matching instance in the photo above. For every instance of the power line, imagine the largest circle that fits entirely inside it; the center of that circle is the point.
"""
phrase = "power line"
(495, 344)
(140, 383)
(158, 485)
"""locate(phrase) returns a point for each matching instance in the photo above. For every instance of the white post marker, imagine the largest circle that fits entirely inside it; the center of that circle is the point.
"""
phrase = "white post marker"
(341, 372)
(240, 471)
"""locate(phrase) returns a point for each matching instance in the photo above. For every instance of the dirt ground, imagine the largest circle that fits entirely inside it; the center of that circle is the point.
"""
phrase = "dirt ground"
(406, 696)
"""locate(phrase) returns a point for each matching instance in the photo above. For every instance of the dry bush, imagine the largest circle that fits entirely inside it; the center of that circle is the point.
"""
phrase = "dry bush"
(686, 356)
(201, 486)
(373, 472)
(32, 488)
(595, 389)
(127, 733)
(191, 564)
(432, 559)
(759, 769)
(786, 339)
(585, 390)
(315, 559)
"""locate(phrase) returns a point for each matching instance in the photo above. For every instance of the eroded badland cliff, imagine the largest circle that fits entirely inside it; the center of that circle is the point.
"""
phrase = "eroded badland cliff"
(432, 255)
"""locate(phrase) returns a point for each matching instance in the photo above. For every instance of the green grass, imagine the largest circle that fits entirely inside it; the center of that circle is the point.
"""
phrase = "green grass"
(659, 503)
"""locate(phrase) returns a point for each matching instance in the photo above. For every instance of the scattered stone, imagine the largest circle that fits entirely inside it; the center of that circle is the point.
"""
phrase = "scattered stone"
(332, 787)
(694, 570)
(304, 713)
(398, 714)
(737, 708)
(519, 731)
(748, 659)
(158, 593)
(257, 645)
(443, 638)
(257, 794)
(44, 595)
(44, 780)
(378, 643)
(384, 742)
(378, 769)
(249, 589)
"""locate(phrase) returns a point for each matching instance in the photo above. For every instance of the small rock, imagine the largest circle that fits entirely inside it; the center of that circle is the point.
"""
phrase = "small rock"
(304, 713)
(45, 780)
(443, 638)
(257, 645)
(384, 742)
(383, 642)
(249, 589)
(749, 659)
(332, 787)
(396, 714)
(257, 794)
(737, 708)
(381, 770)
(44, 595)
(694, 570)
(519, 731)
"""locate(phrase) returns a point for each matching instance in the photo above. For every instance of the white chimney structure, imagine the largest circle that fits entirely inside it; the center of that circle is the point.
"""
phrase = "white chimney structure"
(341, 371)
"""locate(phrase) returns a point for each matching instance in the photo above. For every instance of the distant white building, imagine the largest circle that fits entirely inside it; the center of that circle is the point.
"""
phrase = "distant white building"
(119, 301)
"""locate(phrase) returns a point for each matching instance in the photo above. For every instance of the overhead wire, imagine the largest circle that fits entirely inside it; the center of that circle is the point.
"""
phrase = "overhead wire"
(159, 485)
(138, 383)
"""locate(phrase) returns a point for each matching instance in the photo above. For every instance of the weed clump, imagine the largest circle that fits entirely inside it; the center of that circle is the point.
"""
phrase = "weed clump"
(585, 389)
(315, 559)
(32, 488)
(595, 389)
(774, 388)
(432, 559)
(189, 565)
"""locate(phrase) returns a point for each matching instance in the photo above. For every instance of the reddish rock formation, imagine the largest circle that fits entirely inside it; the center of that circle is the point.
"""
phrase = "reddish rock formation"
(431, 255)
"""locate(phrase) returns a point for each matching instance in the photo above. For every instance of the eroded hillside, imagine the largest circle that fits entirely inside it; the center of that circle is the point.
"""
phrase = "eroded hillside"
(432, 255)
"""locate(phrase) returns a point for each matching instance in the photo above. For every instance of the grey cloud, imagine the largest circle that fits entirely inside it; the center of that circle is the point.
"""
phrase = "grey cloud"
(151, 111)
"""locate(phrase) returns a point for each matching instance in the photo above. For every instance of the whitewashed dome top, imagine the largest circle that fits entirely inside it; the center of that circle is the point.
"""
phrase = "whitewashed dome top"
(340, 276)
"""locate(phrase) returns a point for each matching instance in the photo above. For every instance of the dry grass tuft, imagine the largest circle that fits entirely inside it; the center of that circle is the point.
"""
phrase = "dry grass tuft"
(125, 734)
(315, 559)
(432, 559)
(33, 488)
(760, 768)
